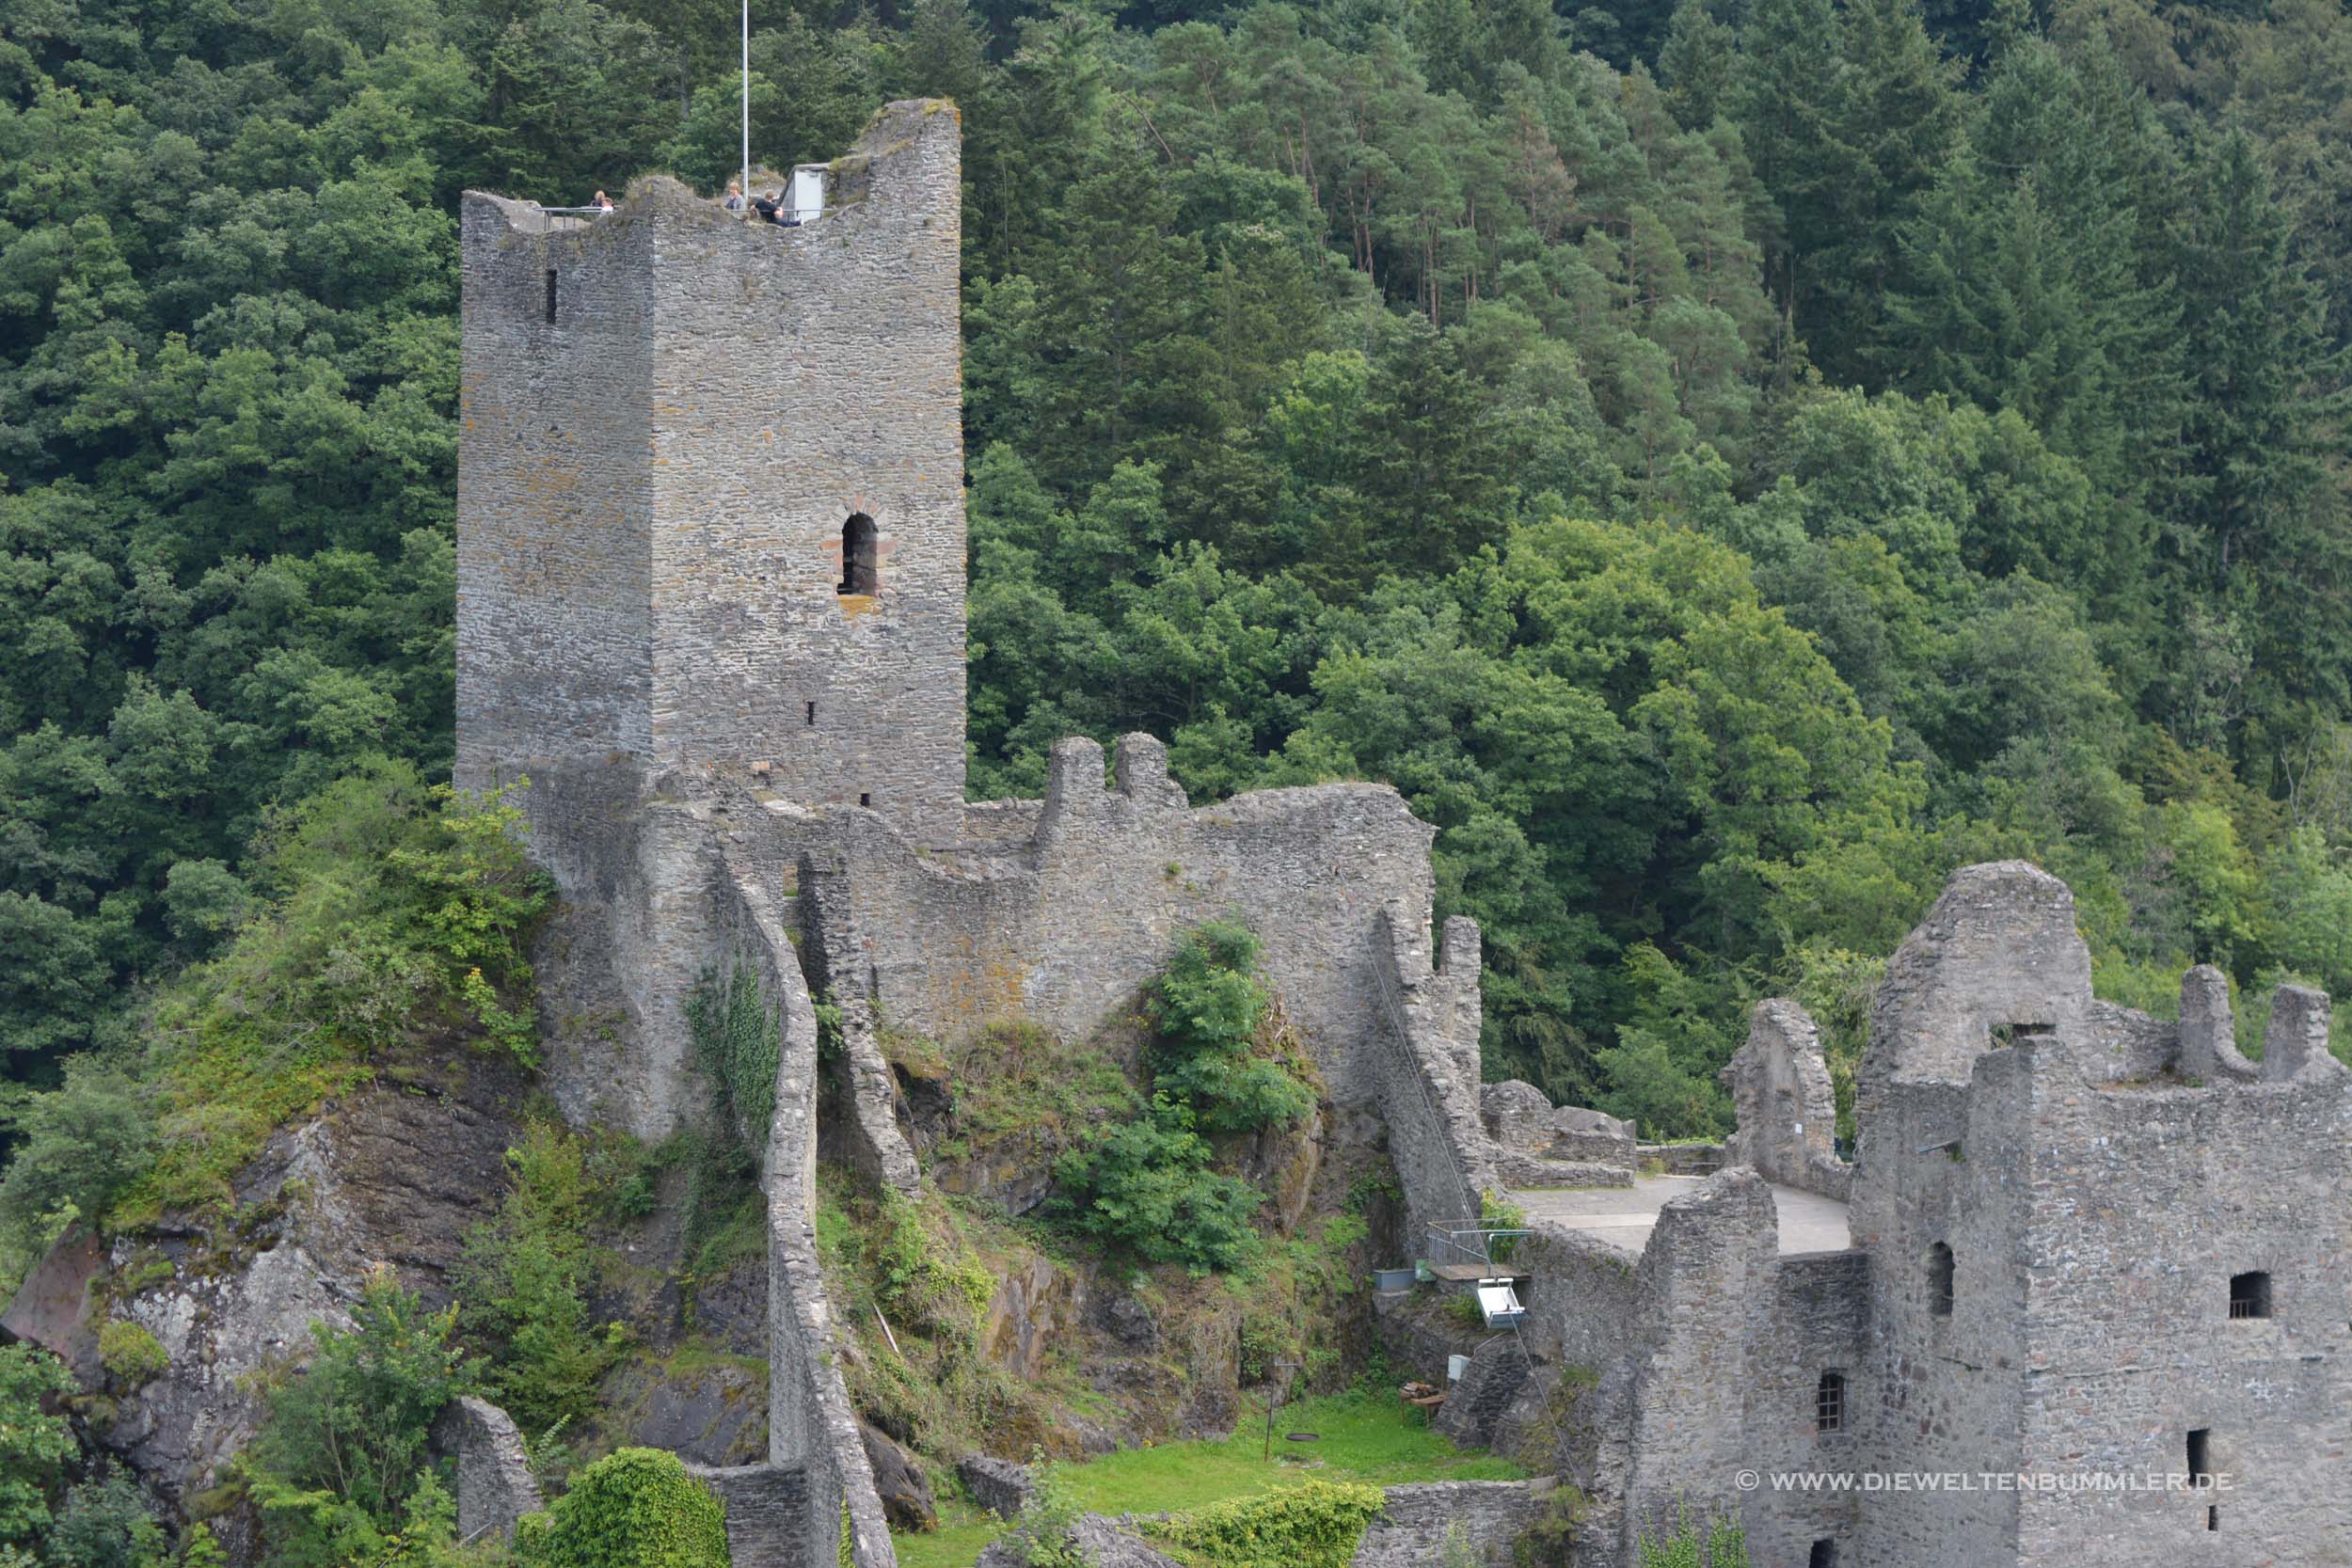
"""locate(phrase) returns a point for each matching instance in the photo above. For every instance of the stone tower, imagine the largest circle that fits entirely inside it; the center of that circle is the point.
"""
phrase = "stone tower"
(711, 490)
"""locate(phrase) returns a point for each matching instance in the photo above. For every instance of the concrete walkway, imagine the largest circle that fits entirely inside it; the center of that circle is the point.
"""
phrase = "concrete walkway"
(1625, 1217)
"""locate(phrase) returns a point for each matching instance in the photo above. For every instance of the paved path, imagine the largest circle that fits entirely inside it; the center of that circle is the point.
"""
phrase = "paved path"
(1625, 1215)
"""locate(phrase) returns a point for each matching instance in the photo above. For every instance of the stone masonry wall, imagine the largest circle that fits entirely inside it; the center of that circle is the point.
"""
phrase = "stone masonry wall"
(554, 495)
(1788, 1115)
(1712, 1250)
(2130, 1344)
(811, 1427)
(803, 375)
(1812, 1318)
(1424, 1065)
(1067, 931)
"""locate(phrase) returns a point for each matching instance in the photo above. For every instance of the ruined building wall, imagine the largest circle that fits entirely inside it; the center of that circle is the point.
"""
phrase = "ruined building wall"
(811, 1426)
(1712, 1250)
(1811, 1317)
(1786, 1110)
(1068, 931)
(2126, 1306)
(1422, 1061)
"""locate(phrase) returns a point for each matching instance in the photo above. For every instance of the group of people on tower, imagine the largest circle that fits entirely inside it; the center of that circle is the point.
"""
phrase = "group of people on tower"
(769, 209)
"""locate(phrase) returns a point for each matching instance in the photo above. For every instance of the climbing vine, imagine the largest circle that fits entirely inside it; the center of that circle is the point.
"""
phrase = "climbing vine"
(739, 1042)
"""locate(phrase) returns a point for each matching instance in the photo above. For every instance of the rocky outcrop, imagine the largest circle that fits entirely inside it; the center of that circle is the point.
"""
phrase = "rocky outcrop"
(390, 1177)
(997, 1486)
(906, 1496)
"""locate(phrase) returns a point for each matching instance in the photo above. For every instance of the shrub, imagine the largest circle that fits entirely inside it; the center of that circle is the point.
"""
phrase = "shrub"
(635, 1507)
(1212, 1051)
(387, 911)
(77, 1146)
(740, 1043)
(1314, 1526)
(34, 1445)
(105, 1523)
(1718, 1544)
(128, 1352)
(525, 1279)
(341, 1454)
(1147, 1186)
(1041, 1539)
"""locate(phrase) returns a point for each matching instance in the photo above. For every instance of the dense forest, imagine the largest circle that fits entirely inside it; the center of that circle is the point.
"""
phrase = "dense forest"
(1727, 463)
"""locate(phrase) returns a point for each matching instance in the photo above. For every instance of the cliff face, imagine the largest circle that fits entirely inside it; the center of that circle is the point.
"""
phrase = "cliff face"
(390, 1177)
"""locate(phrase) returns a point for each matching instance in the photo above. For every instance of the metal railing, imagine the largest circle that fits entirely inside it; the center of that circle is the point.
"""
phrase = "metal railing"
(1492, 1271)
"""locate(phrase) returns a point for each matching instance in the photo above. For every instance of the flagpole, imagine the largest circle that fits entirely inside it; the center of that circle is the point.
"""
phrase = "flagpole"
(747, 106)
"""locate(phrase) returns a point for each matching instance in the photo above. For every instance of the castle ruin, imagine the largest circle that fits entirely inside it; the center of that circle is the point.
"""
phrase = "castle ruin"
(711, 566)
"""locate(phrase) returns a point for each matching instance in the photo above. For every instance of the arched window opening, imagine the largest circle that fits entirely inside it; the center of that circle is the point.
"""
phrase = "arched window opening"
(1940, 1281)
(1829, 1404)
(861, 570)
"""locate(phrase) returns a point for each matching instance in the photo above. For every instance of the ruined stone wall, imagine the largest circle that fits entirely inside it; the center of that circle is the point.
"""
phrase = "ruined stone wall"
(1584, 1308)
(1067, 931)
(1422, 1060)
(1998, 948)
(1812, 1317)
(1787, 1113)
(811, 1426)
(2136, 1204)
(1712, 1250)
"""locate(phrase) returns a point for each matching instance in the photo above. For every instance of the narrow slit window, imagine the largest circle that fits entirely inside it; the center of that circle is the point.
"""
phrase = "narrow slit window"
(2249, 1295)
(1940, 1281)
(860, 556)
(1829, 1404)
(812, 713)
(551, 293)
(2201, 1469)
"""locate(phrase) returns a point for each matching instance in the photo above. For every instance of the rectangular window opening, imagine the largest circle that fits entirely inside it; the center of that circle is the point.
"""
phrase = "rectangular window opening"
(2199, 1465)
(812, 713)
(1828, 1402)
(865, 799)
(551, 293)
(1824, 1554)
(2249, 1295)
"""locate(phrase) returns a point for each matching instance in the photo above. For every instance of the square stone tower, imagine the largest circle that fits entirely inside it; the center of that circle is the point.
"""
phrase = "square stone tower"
(711, 488)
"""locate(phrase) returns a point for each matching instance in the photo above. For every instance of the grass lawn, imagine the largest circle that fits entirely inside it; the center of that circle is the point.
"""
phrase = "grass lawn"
(1361, 1437)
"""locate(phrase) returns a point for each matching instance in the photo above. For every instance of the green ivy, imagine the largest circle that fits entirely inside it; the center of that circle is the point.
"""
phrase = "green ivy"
(739, 1042)
(635, 1507)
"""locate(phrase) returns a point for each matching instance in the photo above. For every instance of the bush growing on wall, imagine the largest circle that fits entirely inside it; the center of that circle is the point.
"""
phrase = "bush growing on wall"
(1212, 1053)
(1218, 1066)
(635, 1508)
